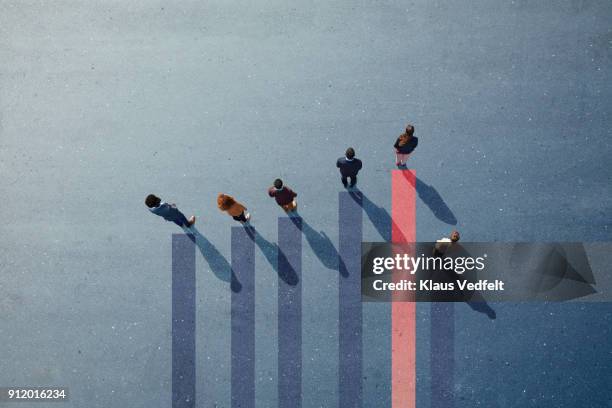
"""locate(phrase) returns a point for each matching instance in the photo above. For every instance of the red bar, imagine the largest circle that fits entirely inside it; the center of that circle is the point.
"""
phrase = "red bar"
(403, 313)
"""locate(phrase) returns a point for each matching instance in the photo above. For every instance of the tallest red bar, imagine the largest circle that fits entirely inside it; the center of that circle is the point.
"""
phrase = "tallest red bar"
(403, 313)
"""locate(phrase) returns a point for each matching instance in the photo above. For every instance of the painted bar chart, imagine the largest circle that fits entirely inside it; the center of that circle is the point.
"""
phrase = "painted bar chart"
(289, 314)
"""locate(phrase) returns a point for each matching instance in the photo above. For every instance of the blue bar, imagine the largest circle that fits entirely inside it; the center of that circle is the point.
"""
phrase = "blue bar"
(183, 321)
(349, 293)
(442, 355)
(290, 313)
(243, 319)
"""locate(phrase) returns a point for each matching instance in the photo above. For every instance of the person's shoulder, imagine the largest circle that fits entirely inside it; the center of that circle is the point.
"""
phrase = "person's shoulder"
(159, 208)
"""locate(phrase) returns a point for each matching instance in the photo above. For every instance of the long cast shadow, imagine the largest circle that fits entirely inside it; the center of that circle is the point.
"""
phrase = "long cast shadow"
(380, 218)
(430, 196)
(272, 252)
(219, 266)
(384, 224)
(322, 247)
(474, 300)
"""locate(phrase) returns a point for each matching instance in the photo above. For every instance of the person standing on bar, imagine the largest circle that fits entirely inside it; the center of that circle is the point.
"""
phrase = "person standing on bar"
(405, 145)
(284, 196)
(236, 210)
(349, 167)
(168, 212)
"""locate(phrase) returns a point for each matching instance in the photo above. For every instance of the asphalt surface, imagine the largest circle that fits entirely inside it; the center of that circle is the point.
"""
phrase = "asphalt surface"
(102, 103)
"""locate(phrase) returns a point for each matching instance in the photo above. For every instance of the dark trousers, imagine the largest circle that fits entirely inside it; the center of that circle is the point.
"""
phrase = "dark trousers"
(353, 180)
(179, 218)
(240, 217)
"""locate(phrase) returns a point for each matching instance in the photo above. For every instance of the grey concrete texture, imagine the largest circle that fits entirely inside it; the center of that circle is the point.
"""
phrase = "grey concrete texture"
(103, 102)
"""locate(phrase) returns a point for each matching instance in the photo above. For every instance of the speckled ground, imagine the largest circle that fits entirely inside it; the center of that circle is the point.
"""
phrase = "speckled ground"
(104, 102)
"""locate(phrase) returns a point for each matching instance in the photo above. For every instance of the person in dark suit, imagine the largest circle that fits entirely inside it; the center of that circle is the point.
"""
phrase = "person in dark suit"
(349, 167)
(168, 212)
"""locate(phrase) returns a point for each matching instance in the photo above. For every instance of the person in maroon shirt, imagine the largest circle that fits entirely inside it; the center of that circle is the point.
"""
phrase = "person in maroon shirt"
(284, 196)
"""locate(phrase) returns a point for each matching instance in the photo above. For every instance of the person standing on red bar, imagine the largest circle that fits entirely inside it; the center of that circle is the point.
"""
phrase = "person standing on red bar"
(237, 211)
(349, 167)
(284, 196)
(405, 145)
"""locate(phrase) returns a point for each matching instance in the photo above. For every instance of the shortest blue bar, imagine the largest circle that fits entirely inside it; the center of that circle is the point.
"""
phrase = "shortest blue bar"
(243, 318)
(183, 321)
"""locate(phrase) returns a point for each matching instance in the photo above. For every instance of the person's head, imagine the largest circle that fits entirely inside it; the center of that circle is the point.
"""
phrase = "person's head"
(409, 130)
(152, 201)
(454, 236)
(224, 201)
(350, 153)
(278, 184)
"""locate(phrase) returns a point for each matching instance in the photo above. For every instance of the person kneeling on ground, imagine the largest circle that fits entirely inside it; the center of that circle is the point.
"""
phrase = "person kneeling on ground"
(443, 244)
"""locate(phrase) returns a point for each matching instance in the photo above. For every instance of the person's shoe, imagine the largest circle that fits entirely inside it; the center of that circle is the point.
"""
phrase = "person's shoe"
(191, 220)
(345, 185)
(398, 164)
(353, 185)
(247, 216)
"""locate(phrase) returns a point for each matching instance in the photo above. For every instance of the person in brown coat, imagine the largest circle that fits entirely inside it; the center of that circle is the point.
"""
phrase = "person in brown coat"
(284, 196)
(232, 207)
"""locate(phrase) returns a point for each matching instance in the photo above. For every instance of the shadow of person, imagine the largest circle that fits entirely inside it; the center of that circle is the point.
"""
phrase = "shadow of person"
(219, 266)
(481, 306)
(272, 253)
(474, 298)
(321, 245)
(430, 196)
(380, 218)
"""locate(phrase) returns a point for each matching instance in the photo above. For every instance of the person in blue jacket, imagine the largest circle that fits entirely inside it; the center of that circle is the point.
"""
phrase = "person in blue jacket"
(349, 167)
(405, 145)
(168, 212)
